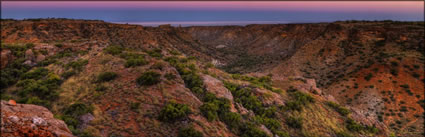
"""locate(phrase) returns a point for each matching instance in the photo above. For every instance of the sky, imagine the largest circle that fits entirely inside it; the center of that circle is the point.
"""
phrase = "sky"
(216, 12)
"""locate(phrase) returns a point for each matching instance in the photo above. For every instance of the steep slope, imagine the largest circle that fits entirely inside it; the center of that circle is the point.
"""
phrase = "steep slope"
(107, 79)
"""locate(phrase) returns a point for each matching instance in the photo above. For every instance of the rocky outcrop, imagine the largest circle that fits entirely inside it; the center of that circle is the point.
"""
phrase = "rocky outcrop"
(6, 57)
(216, 87)
(308, 85)
(268, 97)
(30, 120)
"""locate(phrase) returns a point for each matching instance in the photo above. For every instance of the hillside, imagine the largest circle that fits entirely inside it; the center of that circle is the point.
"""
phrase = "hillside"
(107, 79)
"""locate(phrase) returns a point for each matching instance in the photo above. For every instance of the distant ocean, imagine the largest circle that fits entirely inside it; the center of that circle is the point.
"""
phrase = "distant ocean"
(202, 23)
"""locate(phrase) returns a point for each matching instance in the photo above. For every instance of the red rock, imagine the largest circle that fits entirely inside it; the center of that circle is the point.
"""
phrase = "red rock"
(12, 102)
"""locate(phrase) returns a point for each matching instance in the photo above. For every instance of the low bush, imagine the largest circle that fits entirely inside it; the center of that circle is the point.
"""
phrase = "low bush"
(72, 113)
(106, 76)
(189, 132)
(113, 49)
(37, 88)
(12, 72)
(133, 60)
(37, 73)
(341, 110)
(157, 65)
(155, 53)
(209, 110)
(368, 76)
(250, 130)
(77, 65)
(170, 76)
(394, 72)
(356, 127)
(173, 112)
(58, 45)
(149, 78)
(294, 122)
(343, 134)
(134, 106)
(100, 87)
(232, 119)
(68, 74)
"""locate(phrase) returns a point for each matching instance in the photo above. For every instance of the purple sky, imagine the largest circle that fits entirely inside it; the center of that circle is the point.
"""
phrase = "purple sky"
(210, 11)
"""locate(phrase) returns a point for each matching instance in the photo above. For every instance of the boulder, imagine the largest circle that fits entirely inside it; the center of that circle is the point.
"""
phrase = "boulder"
(216, 87)
(268, 97)
(29, 55)
(40, 57)
(30, 120)
(6, 57)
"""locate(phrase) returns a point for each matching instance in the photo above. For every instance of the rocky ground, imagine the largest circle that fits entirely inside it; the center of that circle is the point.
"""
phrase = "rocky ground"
(327, 79)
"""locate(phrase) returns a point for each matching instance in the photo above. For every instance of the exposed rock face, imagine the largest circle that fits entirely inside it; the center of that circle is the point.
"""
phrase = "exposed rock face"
(216, 86)
(30, 120)
(308, 86)
(40, 58)
(268, 97)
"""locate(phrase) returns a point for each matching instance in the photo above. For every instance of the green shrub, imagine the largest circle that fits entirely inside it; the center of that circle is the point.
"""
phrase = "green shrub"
(209, 110)
(173, 111)
(106, 76)
(353, 125)
(232, 119)
(77, 65)
(68, 74)
(12, 72)
(272, 124)
(343, 134)
(134, 106)
(133, 60)
(40, 89)
(189, 132)
(368, 76)
(294, 122)
(394, 72)
(380, 43)
(341, 110)
(59, 45)
(37, 73)
(155, 53)
(405, 86)
(303, 97)
(158, 65)
(170, 76)
(78, 109)
(100, 87)
(416, 75)
(149, 78)
(394, 63)
(73, 112)
(249, 130)
(113, 49)
(175, 52)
